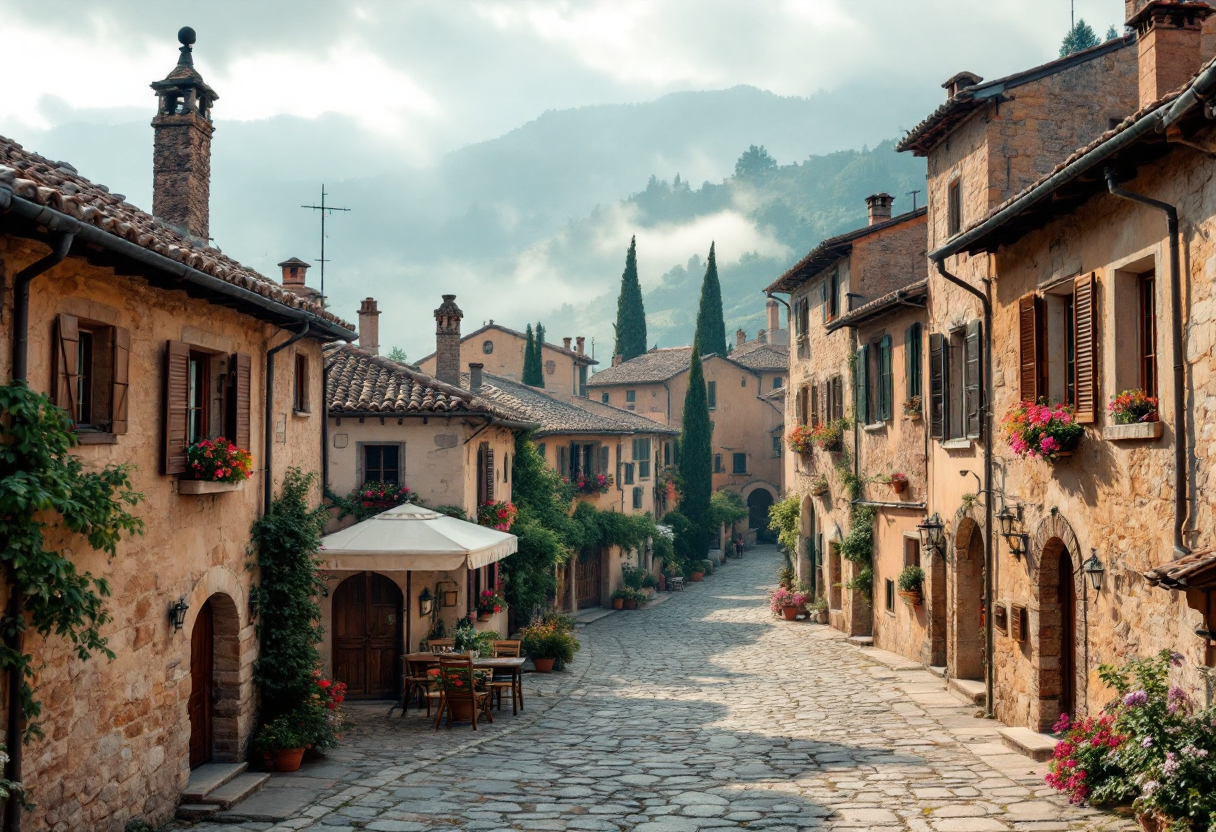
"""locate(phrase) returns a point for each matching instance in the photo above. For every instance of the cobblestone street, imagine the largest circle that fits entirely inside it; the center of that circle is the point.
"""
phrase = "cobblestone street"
(703, 712)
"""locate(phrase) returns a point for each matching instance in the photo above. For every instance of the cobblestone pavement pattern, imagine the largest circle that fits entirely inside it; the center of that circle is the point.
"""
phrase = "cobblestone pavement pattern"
(700, 713)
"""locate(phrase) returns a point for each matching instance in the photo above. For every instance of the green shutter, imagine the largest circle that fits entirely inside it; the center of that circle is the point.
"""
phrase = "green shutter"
(887, 391)
(912, 359)
(861, 385)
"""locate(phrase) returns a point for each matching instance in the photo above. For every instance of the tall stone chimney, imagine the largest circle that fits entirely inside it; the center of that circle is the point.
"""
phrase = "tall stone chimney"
(447, 341)
(566, 343)
(740, 337)
(580, 344)
(958, 82)
(475, 369)
(181, 151)
(369, 326)
(1170, 40)
(878, 206)
(773, 312)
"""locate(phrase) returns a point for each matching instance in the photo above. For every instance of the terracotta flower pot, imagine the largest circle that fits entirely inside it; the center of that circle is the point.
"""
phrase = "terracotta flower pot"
(899, 485)
(618, 603)
(543, 665)
(1150, 823)
(483, 616)
(821, 617)
(288, 759)
(630, 603)
(696, 577)
(912, 598)
(790, 613)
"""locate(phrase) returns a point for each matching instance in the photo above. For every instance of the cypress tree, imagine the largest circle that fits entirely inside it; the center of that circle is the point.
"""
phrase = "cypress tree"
(696, 453)
(711, 328)
(538, 357)
(529, 355)
(630, 311)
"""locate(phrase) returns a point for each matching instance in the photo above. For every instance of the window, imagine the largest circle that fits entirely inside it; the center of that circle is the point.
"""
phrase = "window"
(956, 383)
(717, 463)
(912, 361)
(830, 297)
(1058, 346)
(666, 453)
(890, 594)
(776, 382)
(382, 463)
(487, 347)
(641, 455)
(739, 463)
(300, 399)
(604, 398)
(874, 381)
(743, 381)
(485, 473)
(627, 473)
(776, 446)
(91, 365)
(802, 322)
(1148, 333)
(835, 399)
(587, 458)
(814, 415)
(711, 390)
(637, 497)
(954, 208)
(911, 551)
(801, 406)
(196, 398)
(206, 395)
(631, 396)
(540, 449)
(582, 380)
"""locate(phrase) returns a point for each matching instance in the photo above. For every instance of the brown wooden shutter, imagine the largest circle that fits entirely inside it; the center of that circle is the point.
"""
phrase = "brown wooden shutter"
(120, 378)
(1030, 312)
(937, 385)
(67, 358)
(1085, 331)
(242, 366)
(174, 419)
(487, 471)
(814, 404)
(973, 390)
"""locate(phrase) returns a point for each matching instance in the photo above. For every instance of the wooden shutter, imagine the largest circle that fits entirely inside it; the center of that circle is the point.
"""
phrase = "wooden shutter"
(912, 361)
(604, 460)
(488, 471)
(861, 390)
(1030, 313)
(887, 391)
(814, 404)
(973, 391)
(1085, 332)
(937, 385)
(120, 377)
(836, 411)
(563, 460)
(242, 385)
(823, 293)
(175, 408)
(67, 358)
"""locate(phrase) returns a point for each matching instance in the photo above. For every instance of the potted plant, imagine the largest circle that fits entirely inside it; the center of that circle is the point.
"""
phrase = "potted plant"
(819, 486)
(800, 440)
(1132, 407)
(489, 602)
(634, 599)
(912, 408)
(911, 580)
(549, 644)
(1046, 430)
(829, 436)
(787, 602)
(497, 515)
(214, 465)
(618, 598)
(697, 572)
(464, 637)
(818, 610)
(898, 482)
(282, 741)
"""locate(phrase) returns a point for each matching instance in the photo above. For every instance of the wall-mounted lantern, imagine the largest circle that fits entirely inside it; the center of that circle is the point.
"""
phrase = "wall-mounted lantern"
(177, 613)
(930, 530)
(1094, 570)
(425, 602)
(1015, 538)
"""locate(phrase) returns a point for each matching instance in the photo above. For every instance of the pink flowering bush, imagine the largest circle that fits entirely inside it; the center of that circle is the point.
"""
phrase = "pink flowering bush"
(1042, 430)
(590, 483)
(782, 597)
(218, 460)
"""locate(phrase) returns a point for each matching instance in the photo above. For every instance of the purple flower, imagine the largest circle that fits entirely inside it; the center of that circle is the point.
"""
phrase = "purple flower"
(1136, 697)
(1176, 659)
(1147, 742)
(1171, 764)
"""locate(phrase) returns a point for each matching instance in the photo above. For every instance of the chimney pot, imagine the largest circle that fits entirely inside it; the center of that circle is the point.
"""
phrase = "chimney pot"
(960, 81)
(580, 343)
(740, 337)
(878, 206)
(475, 369)
(762, 337)
(369, 326)
(773, 313)
(1170, 43)
(566, 343)
(616, 360)
(447, 341)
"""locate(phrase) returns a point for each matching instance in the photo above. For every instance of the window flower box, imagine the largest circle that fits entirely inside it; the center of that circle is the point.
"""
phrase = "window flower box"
(207, 487)
(1137, 430)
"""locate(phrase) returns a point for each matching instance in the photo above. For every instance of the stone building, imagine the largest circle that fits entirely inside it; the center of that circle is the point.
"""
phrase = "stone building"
(1087, 302)
(152, 339)
(846, 287)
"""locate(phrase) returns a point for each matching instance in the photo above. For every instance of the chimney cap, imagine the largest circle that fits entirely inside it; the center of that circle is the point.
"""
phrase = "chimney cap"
(295, 262)
(960, 80)
(449, 308)
(1195, 11)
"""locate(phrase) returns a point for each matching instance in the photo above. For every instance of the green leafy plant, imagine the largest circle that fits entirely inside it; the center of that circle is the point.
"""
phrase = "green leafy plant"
(626, 593)
(785, 518)
(548, 640)
(633, 577)
(464, 635)
(819, 486)
(726, 508)
(370, 499)
(294, 729)
(911, 579)
(786, 577)
(45, 488)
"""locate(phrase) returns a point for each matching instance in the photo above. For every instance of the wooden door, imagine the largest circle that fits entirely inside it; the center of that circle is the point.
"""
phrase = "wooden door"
(587, 582)
(367, 636)
(202, 668)
(1068, 636)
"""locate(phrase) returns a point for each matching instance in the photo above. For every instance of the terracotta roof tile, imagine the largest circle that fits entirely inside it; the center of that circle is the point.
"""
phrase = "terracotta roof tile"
(579, 357)
(761, 356)
(58, 186)
(1194, 571)
(559, 415)
(648, 368)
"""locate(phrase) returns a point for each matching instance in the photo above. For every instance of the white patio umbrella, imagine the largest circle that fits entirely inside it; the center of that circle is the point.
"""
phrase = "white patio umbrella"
(413, 538)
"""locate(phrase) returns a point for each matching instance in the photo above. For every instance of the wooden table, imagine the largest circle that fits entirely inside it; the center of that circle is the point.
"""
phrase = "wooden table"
(513, 664)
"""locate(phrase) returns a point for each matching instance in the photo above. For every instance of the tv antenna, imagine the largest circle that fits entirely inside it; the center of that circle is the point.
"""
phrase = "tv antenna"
(325, 210)
(913, 195)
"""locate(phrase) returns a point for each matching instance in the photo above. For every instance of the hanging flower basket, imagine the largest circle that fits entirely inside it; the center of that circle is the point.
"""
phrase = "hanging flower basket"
(1044, 431)
(800, 440)
(899, 482)
(819, 486)
(912, 598)
(829, 436)
(218, 460)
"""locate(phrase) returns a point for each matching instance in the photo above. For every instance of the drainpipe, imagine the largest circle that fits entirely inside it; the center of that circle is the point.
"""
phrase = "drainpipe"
(989, 559)
(60, 243)
(325, 431)
(268, 455)
(1180, 446)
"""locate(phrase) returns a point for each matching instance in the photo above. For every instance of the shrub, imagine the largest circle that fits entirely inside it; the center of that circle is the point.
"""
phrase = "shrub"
(781, 598)
(549, 641)
(633, 577)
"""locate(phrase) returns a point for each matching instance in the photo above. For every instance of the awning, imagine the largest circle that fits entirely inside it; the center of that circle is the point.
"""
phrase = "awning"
(412, 538)
(1195, 571)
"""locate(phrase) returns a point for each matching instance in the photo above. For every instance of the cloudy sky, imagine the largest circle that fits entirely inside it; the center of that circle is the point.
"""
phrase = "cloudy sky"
(334, 91)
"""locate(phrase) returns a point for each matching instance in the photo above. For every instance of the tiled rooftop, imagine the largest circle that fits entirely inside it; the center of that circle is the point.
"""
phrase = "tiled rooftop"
(579, 357)
(762, 356)
(565, 415)
(650, 367)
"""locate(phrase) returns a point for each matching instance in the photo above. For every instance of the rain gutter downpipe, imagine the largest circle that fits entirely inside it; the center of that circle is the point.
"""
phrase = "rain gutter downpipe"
(1180, 441)
(989, 559)
(60, 243)
(268, 455)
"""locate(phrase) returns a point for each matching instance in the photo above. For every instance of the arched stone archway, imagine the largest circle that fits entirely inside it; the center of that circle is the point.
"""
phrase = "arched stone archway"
(1059, 627)
(964, 619)
(759, 501)
(214, 702)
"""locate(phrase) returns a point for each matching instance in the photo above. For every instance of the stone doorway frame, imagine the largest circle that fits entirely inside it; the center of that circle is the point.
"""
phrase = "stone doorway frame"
(965, 653)
(225, 677)
(1052, 536)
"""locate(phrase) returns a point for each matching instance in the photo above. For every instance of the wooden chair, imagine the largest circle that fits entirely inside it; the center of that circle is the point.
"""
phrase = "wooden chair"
(461, 684)
(441, 645)
(418, 681)
(507, 680)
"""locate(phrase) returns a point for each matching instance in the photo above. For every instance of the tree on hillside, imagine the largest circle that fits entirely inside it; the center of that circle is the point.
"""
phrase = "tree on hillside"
(630, 312)
(754, 162)
(1112, 32)
(397, 354)
(711, 328)
(1081, 36)
(696, 453)
(529, 355)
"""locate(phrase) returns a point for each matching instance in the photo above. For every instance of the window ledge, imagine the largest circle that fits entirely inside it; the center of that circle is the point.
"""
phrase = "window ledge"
(956, 444)
(95, 437)
(194, 487)
(874, 427)
(300, 414)
(1140, 430)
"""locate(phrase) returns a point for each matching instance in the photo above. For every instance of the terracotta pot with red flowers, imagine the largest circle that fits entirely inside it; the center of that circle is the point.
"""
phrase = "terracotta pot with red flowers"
(899, 482)
(489, 603)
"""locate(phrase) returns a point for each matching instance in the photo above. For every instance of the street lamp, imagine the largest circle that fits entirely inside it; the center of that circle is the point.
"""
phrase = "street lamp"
(1094, 570)
(1017, 541)
(930, 530)
(177, 613)
(425, 602)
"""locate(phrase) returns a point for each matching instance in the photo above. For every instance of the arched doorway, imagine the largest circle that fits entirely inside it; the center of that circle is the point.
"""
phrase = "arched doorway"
(758, 504)
(368, 636)
(1057, 664)
(935, 572)
(214, 702)
(588, 584)
(965, 649)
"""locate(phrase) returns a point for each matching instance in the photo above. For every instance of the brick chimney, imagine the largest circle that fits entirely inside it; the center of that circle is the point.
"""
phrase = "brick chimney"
(959, 82)
(566, 343)
(295, 278)
(773, 312)
(447, 341)
(475, 369)
(1169, 36)
(181, 150)
(762, 336)
(616, 360)
(369, 326)
(878, 206)
(580, 344)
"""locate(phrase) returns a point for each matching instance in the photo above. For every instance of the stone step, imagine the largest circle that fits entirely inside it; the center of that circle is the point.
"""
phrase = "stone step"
(196, 811)
(1032, 744)
(237, 789)
(861, 641)
(937, 671)
(209, 777)
(971, 690)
